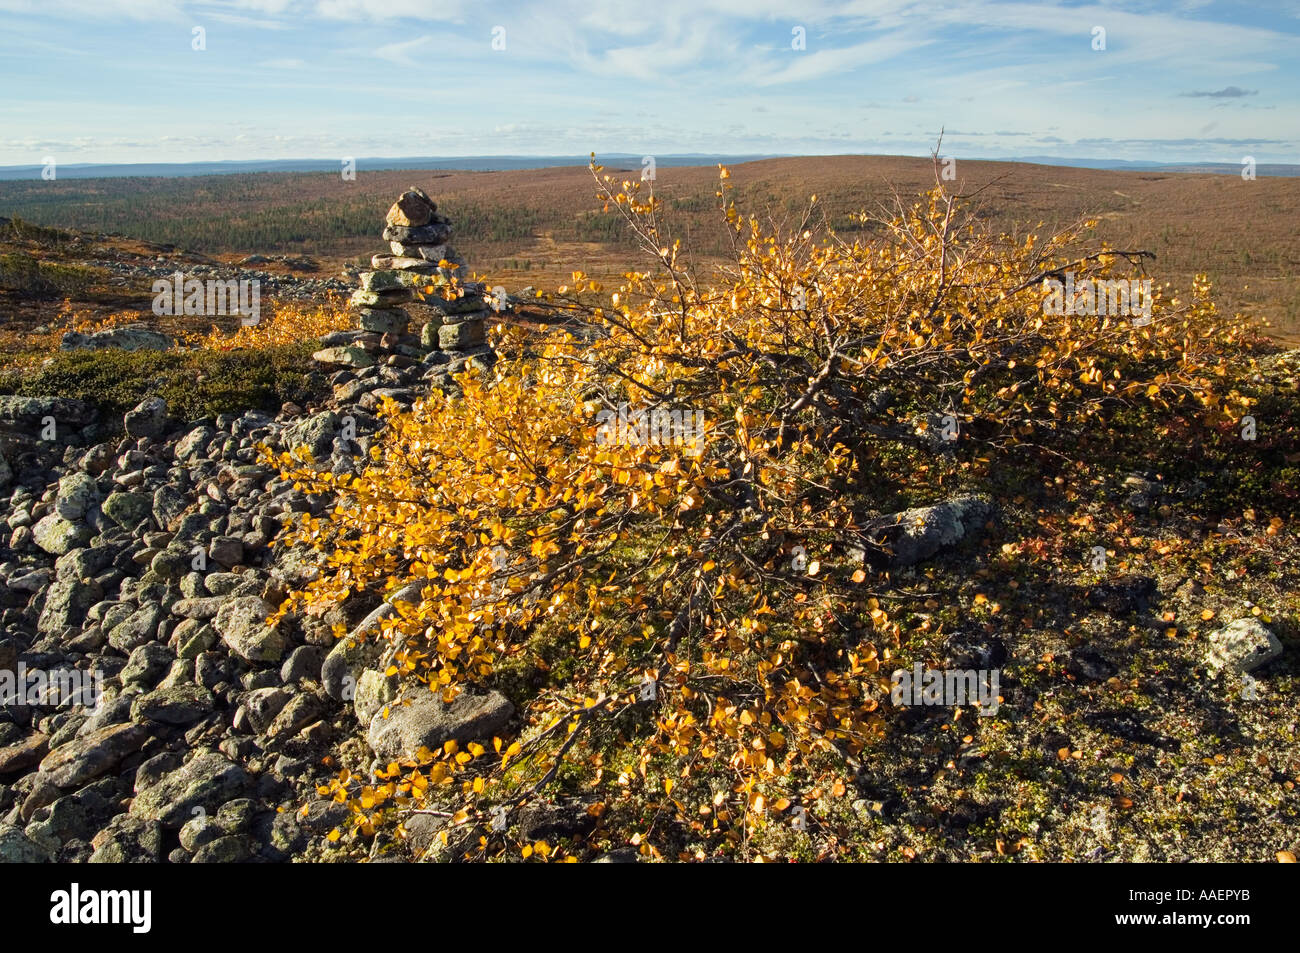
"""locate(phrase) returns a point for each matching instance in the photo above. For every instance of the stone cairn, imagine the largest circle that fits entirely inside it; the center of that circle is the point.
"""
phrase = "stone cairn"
(404, 289)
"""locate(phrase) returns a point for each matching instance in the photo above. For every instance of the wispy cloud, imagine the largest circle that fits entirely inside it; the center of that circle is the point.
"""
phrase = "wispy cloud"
(1228, 92)
(105, 79)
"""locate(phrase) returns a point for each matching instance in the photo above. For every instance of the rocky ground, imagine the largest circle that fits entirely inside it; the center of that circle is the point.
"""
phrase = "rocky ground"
(148, 558)
(1149, 705)
(143, 551)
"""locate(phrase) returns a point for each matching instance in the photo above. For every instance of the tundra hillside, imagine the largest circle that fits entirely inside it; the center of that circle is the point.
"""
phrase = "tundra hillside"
(632, 579)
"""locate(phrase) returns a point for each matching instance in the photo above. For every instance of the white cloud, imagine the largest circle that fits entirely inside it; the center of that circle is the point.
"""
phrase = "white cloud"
(401, 52)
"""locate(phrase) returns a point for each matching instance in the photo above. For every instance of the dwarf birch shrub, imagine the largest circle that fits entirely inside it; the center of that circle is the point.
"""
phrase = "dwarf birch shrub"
(669, 614)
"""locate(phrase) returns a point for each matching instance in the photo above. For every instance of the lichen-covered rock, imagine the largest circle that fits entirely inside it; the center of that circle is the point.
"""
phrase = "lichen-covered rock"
(205, 782)
(241, 623)
(128, 337)
(31, 414)
(194, 443)
(262, 705)
(138, 628)
(178, 705)
(457, 337)
(908, 537)
(17, 848)
(384, 320)
(87, 757)
(128, 840)
(349, 355)
(316, 433)
(429, 722)
(147, 418)
(126, 509)
(66, 604)
(57, 536)
(381, 280)
(169, 504)
(374, 690)
(301, 711)
(77, 496)
(1242, 646)
(146, 665)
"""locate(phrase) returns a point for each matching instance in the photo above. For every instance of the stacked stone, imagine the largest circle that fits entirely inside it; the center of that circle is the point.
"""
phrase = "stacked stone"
(404, 290)
(418, 238)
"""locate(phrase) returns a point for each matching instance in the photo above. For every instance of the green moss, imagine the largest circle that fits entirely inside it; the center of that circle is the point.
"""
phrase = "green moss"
(195, 384)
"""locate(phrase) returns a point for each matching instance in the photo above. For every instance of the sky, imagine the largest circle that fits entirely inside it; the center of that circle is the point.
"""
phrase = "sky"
(173, 81)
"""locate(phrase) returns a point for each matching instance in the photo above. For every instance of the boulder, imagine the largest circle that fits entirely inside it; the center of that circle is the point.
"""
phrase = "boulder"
(457, 337)
(66, 604)
(31, 412)
(128, 337)
(203, 784)
(57, 536)
(241, 623)
(433, 233)
(1242, 646)
(381, 280)
(913, 535)
(127, 510)
(194, 443)
(169, 504)
(88, 756)
(412, 209)
(23, 755)
(379, 299)
(77, 496)
(384, 321)
(147, 419)
(262, 705)
(424, 720)
(139, 627)
(179, 705)
(17, 848)
(316, 433)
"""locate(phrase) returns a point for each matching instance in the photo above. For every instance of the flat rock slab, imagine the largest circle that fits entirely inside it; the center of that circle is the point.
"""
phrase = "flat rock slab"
(130, 337)
(85, 758)
(32, 410)
(178, 705)
(24, 755)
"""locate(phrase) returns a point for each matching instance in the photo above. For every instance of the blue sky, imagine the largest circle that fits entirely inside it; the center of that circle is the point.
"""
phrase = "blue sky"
(119, 81)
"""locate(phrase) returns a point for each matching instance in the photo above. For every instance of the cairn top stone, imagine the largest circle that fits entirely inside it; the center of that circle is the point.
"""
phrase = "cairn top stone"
(413, 208)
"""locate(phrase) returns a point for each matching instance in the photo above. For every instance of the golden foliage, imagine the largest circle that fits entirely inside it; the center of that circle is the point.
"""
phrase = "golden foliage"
(657, 574)
(290, 322)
